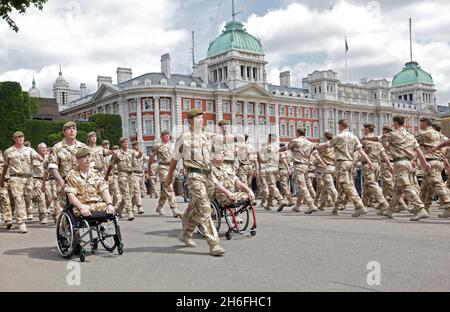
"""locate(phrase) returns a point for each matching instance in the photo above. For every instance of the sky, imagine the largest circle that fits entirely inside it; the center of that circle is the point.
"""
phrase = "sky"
(92, 38)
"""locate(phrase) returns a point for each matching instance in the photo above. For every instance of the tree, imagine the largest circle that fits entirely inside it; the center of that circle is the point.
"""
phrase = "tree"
(21, 6)
(12, 111)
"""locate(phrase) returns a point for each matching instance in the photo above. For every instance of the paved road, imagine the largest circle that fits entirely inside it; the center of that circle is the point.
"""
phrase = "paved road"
(291, 252)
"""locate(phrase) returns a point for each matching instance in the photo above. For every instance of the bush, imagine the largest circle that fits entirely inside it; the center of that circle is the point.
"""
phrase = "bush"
(12, 111)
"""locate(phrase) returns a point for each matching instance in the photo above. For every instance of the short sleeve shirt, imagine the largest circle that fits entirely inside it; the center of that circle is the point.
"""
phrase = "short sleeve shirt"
(345, 144)
(402, 144)
(87, 187)
(20, 161)
(301, 150)
(63, 157)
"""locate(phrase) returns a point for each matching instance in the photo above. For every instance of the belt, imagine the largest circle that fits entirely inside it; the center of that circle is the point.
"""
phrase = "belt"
(25, 176)
(136, 171)
(432, 159)
(127, 172)
(164, 164)
(343, 160)
(200, 171)
(300, 163)
(38, 178)
(401, 159)
(229, 162)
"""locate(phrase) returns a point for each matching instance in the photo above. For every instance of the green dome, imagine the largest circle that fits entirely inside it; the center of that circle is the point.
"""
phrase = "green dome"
(235, 37)
(412, 73)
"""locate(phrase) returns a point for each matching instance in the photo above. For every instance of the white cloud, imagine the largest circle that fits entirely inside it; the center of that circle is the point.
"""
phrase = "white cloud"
(89, 38)
(377, 36)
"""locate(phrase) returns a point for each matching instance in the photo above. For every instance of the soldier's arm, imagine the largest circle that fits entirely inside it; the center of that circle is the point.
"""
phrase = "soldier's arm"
(319, 158)
(244, 188)
(111, 166)
(387, 161)
(221, 189)
(172, 167)
(425, 165)
(2, 178)
(442, 145)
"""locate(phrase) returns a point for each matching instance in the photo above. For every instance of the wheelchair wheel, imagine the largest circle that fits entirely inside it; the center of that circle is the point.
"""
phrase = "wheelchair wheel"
(243, 217)
(216, 217)
(65, 235)
(106, 235)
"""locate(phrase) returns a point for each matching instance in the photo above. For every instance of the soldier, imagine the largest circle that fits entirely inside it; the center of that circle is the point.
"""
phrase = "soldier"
(49, 186)
(268, 160)
(62, 161)
(19, 160)
(39, 186)
(327, 169)
(86, 189)
(345, 145)
(194, 148)
(163, 152)
(404, 147)
(29, 192)
(98, 153)
(225, 142)
(124, 161)
(284, 172)
(5, 204)
(375, 151)
(138, 180)
(246, 156)
(153, 177)
(114, 181)
(301, 150)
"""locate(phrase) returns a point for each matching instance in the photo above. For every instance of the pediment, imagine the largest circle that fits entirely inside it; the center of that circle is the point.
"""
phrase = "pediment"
(252, 90)
(103, 92)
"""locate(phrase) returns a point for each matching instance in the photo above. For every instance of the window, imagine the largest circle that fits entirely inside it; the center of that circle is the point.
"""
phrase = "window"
(115, 108)
(315, 114)
(262, 111)
(225, 72)
(316, 130)
(300, 125)
(165, 105)
(282, 111)
(215, 75)
(132, 106)
(250, 109)
(165, 124)
(331, 114)
(320, 89)
(291, 112)
(299, 112)
(149, 127)
(226, 107)
(186, 105)
(133, 127)
(238, 107)
(100, 110)
(272, 110)
(254, 73)
(242, 71)
(308, 130)
(292, 130)
(147, 105)
(198, 104)
(210, 106)
(307, 113)
(410, 97)
(107, 108)
(210, 125)
(283, 130)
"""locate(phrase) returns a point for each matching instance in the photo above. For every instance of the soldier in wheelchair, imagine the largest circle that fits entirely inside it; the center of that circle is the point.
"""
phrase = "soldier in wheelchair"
(90, 210)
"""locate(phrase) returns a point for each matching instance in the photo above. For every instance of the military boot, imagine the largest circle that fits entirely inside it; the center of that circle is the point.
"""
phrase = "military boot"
(359, 212)
(422, 214)
(130, 215)
(140, 210)
(159, 210)
(176, 213)
(446, 214)
(23, 228)
(311, 208)
(296, 209)
(184, 239)
(216, 251)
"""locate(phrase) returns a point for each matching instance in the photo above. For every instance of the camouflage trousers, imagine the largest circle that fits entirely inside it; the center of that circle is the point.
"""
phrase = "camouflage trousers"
(404, 187)
(346, 186)
(223, 200)
(18, 187)
(28, 196)
(270, 188)
(262, 187)
(115, 192)
(387, 181)
(327, 190)
(167, 192)
(371, 187)
(38, 197)
(245, 174)
(285, 189)
(198, 213)
(432, 184)
(93, 207)
(5, 203)
(154, 189)
(138, 180)
(301, 173)
(126, 186)
(50, 195)
(310, 186)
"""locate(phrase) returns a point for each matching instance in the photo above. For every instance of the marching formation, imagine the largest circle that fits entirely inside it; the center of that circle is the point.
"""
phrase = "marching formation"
(228, 168)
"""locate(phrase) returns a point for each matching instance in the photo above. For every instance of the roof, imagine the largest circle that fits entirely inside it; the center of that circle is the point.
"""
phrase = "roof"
(235, 37)
(157, 78)
(289, 90)
(411, 74)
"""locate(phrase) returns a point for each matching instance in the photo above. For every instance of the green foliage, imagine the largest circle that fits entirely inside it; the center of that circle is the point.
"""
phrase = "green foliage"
(109, 127)
(21, 6)
(12, 110)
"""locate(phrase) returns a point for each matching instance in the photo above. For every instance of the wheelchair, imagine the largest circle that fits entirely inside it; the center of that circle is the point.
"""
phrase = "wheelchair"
(74, 233)
(237, 218)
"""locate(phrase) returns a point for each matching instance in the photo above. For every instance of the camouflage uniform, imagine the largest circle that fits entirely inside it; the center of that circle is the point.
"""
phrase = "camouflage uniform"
(20, 162)
(5, 204)
(164, 152)
(154, 187)
(124, 162)
(432, 183)
(269, 160)
(97, 158)
(114, 189)
(88, 189)
(51, 193)
(345, 145)
(38, 196)
(301, 150)
(226, 145)
(402, 145)
(194, 148)
(246, 156)
(370, 177)
(283, 179)
(138, 181)
(227, 178)
(327, 174)
(63, 159)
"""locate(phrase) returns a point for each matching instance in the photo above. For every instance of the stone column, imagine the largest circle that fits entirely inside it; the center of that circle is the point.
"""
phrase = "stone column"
(157, 118)
(123, 110)
(257, 104)
(277, 120)
(323, 118)
(219, 108)
(233, 111)
(245, 110)
(177, 117)
(139, 134)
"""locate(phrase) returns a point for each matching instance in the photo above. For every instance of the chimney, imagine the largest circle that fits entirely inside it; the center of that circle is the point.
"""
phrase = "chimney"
(83, 89)
(103, 80)
(165, 65)
(285, 79)
(195, 70)
(123, 74)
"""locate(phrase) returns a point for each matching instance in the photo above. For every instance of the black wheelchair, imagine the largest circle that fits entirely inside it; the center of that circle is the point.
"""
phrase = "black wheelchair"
(237, 218)
(74, 233)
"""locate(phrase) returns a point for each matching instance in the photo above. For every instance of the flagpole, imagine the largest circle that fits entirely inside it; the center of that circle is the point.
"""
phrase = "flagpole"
(346, 61)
